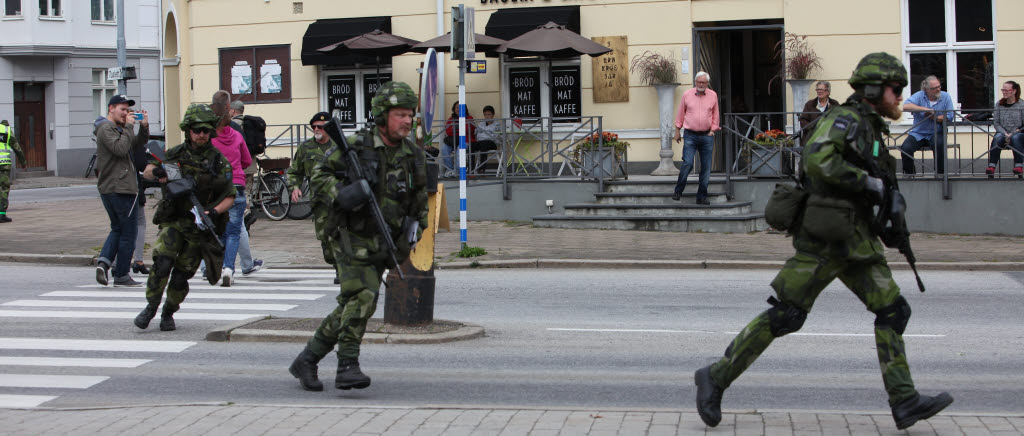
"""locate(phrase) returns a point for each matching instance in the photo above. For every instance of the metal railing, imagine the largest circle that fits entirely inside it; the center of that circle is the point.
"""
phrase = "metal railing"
(750, 151)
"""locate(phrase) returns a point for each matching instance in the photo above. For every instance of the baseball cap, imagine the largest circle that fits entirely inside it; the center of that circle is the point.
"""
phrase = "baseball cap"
(120, 98)
(237, 105)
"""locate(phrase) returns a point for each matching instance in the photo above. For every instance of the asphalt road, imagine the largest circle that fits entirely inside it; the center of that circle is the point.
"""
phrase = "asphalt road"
(555, 338)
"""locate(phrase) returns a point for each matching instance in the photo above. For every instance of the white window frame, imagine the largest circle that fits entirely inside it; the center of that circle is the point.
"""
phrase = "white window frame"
(107, 90)
(545, 75)
(360, 74)
(951, 47)
(101, 20)
(51, 13)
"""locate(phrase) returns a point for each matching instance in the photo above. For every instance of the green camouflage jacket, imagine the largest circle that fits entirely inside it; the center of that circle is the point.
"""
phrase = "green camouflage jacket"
(834, 168)
(307, 156)
(401, 190)
(212, 173)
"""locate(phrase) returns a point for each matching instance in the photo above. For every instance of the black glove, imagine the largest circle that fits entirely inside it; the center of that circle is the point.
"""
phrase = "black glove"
(875, 189)
(212, 213)
(159, 172)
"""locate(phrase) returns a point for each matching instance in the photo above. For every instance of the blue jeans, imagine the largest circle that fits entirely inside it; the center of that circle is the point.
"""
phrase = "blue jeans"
(912, 144)
(1016, 143)
(231, 234)
(122, 210)
(693, 143)
(448, 154)
(244, 253)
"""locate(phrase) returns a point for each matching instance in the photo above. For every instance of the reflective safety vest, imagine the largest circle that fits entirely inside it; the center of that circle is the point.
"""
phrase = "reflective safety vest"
(5, 145)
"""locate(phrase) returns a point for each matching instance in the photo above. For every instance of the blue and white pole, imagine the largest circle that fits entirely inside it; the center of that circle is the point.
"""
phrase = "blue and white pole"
(462, 153)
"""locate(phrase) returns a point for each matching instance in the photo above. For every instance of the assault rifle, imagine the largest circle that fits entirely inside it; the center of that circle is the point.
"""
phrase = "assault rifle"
(890, 222)
(359, 191)
(179, 185)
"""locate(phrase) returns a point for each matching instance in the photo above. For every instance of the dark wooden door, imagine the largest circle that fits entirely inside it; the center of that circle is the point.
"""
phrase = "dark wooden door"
(30, 123)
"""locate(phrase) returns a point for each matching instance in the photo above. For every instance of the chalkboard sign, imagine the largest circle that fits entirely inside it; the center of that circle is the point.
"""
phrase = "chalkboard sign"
(524, 92)
(341, 99)
(370, 90)
(565, 97)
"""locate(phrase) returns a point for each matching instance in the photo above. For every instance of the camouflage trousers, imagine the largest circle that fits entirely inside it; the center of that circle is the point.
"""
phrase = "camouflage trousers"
(360, 287)
(325, 242)
(5, 186)
(176, 257)
(802, 278)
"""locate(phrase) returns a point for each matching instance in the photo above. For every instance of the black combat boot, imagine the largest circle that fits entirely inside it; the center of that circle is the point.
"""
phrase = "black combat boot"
(349, 376)
(167, 320)
(304, 369)
(144, 317)
(911, 410)
(709, 397)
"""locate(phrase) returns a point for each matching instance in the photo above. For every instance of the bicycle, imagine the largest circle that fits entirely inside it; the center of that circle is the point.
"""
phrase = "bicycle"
(301, 209)
(270, 192)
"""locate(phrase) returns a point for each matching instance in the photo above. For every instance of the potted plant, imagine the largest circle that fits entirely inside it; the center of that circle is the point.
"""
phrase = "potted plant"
(659, 71)
(765, 153)
(597, 158)
(799, 60)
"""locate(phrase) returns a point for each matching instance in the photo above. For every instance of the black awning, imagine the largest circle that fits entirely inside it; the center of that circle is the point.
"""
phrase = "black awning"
(510, 23)
(322, 33)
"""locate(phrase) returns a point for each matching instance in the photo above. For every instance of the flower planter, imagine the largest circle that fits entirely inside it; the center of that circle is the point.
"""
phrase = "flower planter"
(771, 161)
(600, 163)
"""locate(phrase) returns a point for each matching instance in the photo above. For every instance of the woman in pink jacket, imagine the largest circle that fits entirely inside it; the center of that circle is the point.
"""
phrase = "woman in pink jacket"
(232, 146)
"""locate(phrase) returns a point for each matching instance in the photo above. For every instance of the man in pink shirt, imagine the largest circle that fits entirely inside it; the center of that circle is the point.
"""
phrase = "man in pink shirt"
(698, 118)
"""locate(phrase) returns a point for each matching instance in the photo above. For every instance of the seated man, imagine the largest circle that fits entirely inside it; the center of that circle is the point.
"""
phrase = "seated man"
(931, 106)
(488, 136)
(450, 145)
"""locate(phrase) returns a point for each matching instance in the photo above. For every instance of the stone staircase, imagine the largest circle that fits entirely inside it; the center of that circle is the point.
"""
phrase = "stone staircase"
(648, 205)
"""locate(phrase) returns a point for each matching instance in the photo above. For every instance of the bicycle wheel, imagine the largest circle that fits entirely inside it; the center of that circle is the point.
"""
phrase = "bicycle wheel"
(275, 201)
(88, 169)
(301, 209)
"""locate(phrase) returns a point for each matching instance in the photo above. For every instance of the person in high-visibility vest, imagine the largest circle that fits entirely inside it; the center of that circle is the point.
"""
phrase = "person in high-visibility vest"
(8, 142)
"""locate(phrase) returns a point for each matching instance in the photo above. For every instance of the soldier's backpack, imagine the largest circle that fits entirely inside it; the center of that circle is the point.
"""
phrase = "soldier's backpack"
(254, 130)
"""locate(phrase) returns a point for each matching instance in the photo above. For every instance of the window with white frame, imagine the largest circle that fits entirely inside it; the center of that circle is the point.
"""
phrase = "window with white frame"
(12, 8)
(102, 90)
(953, 40)
(347, 94)
(49, 8)
(103, 10)
(528, 93)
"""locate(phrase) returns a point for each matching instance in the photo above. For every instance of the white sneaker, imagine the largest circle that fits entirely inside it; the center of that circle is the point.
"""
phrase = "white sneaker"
(226, 277)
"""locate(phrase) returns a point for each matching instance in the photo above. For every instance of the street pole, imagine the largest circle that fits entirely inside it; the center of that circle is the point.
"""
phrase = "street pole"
(122, 56)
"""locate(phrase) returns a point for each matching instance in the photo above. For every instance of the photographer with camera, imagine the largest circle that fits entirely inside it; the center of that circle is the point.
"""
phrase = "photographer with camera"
(192, 172)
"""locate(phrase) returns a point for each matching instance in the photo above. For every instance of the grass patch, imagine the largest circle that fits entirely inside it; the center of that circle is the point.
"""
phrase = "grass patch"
(468, 251)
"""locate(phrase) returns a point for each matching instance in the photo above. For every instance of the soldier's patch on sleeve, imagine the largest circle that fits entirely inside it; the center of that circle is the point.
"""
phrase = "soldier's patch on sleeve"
(841, 123)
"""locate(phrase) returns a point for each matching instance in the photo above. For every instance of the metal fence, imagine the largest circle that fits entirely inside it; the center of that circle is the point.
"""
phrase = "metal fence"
(751, 149)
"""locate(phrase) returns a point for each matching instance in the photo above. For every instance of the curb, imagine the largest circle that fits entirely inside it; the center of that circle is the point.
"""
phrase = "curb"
(709, 264)
(50, 259)
(234, 334)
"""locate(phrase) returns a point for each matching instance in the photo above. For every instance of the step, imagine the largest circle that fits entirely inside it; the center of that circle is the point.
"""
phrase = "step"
(654, 186)
(715, 197)
(31, 174)
(637, 209)
(724, 224)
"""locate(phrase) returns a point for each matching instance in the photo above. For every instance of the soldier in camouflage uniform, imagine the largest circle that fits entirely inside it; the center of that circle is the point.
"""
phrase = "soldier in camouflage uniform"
(8, 142)
(396, 170)
(835, 240)
(307, 156)
(180, 245)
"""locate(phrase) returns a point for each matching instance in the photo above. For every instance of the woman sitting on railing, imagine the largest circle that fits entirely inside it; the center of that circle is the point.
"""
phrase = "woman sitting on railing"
(1008, 119)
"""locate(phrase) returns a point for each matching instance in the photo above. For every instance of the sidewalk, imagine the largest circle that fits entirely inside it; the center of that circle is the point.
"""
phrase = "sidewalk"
(72, 232)
(314, 420)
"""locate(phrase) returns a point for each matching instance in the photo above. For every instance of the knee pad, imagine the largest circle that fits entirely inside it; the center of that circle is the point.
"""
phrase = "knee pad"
(162, 266)
(894, 316)
(178, 281)
(783, 318)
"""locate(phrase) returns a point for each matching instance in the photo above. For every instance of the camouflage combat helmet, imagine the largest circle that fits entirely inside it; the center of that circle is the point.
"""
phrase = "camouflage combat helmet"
(199, 115)
(393, 94)
(878, 69)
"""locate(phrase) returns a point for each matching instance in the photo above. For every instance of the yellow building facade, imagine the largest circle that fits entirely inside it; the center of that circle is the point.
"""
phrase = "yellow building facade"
(966, 44)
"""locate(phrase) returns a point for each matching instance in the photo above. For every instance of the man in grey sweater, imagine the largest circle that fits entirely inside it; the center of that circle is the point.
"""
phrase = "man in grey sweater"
(118, 186)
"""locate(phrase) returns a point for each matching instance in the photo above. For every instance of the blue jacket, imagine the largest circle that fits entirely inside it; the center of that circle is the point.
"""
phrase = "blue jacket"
(924, 126)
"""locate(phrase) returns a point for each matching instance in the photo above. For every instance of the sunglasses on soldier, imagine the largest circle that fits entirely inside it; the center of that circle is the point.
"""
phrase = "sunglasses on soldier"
(896, 88)
(201, 130)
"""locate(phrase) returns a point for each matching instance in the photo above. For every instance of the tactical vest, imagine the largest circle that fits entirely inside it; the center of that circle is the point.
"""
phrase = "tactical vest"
(5, 145)
(209, 182)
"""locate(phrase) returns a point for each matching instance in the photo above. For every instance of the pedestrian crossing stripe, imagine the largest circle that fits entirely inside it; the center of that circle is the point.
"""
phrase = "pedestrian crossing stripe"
(23, 401)
(124, 315)
(240, 289)
(136, 305)
(64, 344)
(50, 381)
(191, 295)
(82, 362)
(297, 271)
